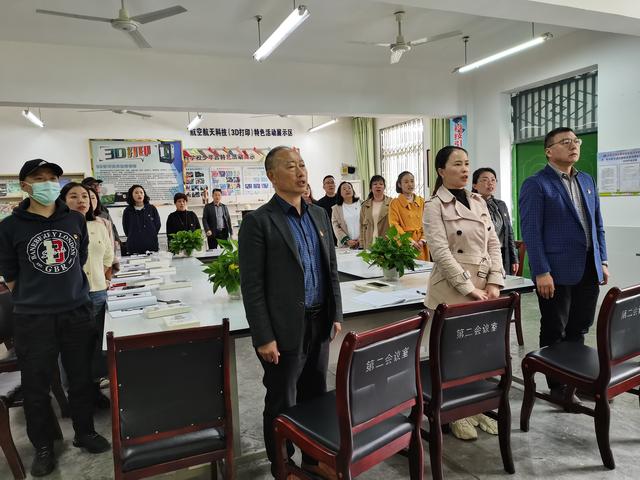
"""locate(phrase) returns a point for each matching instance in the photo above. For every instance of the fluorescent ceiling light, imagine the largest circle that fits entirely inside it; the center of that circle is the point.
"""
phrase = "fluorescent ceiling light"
(286, 28)
(322, 125)
(32, 117)
(505, 53)
(195, 122)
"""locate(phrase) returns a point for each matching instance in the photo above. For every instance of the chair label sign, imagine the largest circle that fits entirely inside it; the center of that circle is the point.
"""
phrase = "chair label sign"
(389, 359)
(480, 329)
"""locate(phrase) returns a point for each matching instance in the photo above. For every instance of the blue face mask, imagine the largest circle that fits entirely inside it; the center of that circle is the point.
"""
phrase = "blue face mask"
(45, 193)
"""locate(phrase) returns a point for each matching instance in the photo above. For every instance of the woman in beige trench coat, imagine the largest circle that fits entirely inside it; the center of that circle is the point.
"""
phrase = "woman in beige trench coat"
(465, 250)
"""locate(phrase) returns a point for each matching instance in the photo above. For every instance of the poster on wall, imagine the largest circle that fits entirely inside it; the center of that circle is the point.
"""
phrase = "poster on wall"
(619, 172)
(154, 164)
(197, 181)
(227, 179)
(224, 154)
(458, 131)
(255, 181)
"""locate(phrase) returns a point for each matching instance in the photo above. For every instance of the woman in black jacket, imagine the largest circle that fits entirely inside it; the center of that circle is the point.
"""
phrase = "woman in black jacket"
(484, 183)
(181, 219)
(141, 222)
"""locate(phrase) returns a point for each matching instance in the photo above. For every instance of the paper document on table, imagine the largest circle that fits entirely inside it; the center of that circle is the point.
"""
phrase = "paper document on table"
(382, 299)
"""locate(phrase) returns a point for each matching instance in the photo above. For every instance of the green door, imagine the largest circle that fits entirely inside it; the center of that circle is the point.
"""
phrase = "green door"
(528, 158)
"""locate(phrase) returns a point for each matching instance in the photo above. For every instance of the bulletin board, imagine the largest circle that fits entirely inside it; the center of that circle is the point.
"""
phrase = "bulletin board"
(154, 164)
(619, 172)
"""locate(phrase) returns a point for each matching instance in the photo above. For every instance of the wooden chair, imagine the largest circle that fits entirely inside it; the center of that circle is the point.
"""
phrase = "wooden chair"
(517, 311)
(468, 350)
(603, 373)
(170, 401)
(361, 423)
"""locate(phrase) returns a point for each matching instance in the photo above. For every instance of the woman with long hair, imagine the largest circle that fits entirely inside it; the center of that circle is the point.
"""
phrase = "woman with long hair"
(345, 216)
(140, 222)
(465, 251)
(405, 213)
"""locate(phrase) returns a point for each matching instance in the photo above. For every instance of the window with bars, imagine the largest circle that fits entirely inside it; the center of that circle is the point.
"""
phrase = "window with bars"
(402, 148)
(572, 102)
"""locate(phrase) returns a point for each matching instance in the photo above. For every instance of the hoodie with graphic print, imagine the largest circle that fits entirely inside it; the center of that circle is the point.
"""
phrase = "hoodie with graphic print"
(44, 256)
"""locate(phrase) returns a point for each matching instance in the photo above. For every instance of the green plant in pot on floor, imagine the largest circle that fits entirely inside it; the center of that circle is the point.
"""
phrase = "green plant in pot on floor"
(393, 253)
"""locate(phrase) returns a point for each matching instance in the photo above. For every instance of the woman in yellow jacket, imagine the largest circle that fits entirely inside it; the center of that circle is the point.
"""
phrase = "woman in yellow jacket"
(405, 213)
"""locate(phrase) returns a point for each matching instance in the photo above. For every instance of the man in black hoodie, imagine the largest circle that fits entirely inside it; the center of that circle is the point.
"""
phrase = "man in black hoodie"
(43, 246)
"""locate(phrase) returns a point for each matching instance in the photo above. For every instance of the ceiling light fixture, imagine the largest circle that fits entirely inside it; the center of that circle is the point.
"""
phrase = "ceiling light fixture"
(505, 53)
(322, 125)
(286, 28)
(195, 122)
(33, 118)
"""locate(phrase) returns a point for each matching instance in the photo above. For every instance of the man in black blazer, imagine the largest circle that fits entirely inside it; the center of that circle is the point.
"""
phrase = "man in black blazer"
(290, 290)
(216, 220)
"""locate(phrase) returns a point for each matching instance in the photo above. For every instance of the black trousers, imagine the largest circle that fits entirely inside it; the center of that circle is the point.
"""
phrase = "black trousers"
(568, 316)
(40, 338)
(216, 235)
(299, 376)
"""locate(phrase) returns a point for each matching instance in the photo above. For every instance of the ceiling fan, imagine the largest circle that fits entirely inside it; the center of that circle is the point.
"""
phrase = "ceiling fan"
(401, 46)
(125, 23)
(118, 111)
(280, 115)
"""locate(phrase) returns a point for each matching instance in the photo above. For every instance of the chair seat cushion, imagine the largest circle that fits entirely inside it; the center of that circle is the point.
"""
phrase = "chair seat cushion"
(173, 448)
(455, 397)
(9, 384)
(582, 361)
(318, 419)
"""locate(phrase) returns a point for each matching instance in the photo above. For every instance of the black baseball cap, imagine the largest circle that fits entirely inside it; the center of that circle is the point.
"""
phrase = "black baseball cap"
(90, 181)
(32, 165)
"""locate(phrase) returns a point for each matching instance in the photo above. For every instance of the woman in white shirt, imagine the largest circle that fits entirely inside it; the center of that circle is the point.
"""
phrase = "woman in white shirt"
(345, 216)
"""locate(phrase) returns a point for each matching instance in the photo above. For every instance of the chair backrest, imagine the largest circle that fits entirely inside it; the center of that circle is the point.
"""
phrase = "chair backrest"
(470, 341)
(378, 374)
(619, 325)
(6, 316)
(522, 250)
(168, 383)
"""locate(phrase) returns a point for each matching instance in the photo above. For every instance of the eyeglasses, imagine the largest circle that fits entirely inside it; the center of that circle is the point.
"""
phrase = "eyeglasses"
(565, 142)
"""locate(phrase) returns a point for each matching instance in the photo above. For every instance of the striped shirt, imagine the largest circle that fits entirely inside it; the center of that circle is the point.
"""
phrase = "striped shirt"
(306, 237)
(572, 186)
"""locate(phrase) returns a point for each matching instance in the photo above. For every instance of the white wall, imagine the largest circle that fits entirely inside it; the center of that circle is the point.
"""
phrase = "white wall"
(65, 138)
(484, 96)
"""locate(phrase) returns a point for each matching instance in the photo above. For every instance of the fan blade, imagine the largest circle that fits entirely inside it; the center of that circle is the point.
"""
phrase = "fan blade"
(73, 15)
(435, 38)
(395, 56)
(143, 115)
(159, 14)
(101, 110)
(139, 39)
(386, 45)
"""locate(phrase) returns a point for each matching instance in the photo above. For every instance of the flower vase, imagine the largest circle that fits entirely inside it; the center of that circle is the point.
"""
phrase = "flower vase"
(235, 294)
(391, 274)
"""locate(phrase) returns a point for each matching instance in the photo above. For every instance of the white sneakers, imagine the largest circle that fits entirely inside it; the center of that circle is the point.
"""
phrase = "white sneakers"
(464, 429)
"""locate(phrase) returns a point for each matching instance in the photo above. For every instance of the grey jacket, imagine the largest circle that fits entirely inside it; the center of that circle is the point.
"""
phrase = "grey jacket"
(271, 276)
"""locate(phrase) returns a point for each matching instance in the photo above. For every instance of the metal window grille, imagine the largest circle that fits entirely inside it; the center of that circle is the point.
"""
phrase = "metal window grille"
(402, 148)
(572, 102)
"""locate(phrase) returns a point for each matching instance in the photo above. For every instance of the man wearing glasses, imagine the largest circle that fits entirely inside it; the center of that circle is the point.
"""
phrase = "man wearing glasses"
(562, 229)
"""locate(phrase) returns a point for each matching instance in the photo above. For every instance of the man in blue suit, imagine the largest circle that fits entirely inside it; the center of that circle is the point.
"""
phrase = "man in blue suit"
(562, 229)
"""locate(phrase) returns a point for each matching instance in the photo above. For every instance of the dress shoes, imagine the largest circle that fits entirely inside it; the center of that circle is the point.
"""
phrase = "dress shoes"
(565, 396)
(92, 442)
(44, 462)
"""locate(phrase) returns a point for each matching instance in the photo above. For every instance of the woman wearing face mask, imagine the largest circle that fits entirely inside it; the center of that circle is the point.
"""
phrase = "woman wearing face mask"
(98, 271)
(43, 246)
(374, 220)
(465, 250)
(484, 182)
(345, 217)
(141, 222)
(405, 213)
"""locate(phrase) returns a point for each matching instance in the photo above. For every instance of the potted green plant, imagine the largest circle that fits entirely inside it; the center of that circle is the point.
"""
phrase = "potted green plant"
(224, 271)
(185, 241)
(393, 253)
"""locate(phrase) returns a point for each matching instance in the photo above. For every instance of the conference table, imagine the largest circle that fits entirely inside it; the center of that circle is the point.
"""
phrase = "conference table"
(209, 308)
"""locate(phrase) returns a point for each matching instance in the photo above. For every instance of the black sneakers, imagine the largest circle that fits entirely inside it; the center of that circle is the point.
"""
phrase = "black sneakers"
(44, 462)
(92, 442)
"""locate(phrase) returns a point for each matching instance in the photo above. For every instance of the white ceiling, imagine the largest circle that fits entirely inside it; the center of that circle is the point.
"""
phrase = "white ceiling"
(227, 28)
